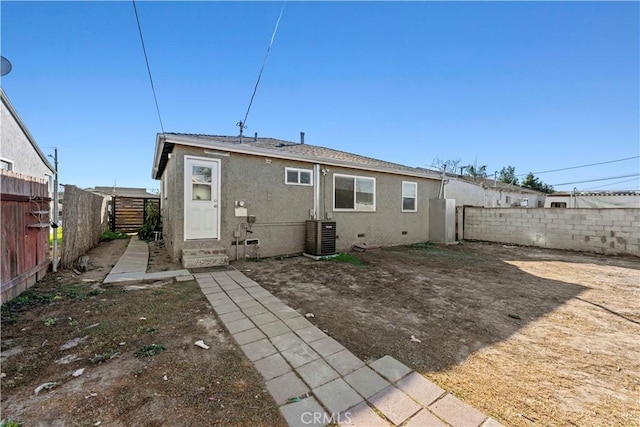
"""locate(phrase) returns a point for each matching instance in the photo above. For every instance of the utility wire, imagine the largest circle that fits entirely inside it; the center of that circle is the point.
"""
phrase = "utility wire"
(581, 166)
(613, 183)
(146, 59)
(600, 179)
(255, 88)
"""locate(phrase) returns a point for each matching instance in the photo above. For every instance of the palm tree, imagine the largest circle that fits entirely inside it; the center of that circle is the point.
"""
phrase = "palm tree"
(476, 172)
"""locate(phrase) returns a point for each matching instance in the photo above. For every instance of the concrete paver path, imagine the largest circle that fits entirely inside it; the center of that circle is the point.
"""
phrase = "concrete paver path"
(314, 379)
(132, 265)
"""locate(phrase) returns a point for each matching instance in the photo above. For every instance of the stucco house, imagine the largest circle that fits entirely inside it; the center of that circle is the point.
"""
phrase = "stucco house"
(19, 151)
(226, 199)
(492, 193)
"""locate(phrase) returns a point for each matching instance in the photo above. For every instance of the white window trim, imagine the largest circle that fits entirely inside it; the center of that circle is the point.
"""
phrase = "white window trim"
(355, 209)
(9, 162)
(298, 170)
(415, 185)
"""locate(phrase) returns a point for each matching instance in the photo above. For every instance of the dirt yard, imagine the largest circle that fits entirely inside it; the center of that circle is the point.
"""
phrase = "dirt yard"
(528, 336)
(132, 350)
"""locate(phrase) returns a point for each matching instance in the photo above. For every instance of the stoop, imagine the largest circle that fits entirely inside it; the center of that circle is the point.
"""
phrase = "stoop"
(204, 257)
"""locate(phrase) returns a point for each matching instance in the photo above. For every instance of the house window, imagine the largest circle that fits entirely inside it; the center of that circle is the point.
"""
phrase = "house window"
(354, 193)
(558, 204)
(539, 203)
(409, 196)
(508, 199)
(298, 176)
(6, 164)
(524, 202)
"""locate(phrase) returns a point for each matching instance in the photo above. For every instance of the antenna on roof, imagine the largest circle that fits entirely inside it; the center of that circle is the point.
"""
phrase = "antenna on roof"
(264, 61)
(241, 125)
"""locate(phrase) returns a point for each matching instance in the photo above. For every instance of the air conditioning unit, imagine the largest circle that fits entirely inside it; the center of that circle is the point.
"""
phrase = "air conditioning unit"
(320, 238)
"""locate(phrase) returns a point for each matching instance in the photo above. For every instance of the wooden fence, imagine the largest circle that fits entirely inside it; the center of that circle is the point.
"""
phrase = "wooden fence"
(128, 214)
(24, 247)
(84, 219)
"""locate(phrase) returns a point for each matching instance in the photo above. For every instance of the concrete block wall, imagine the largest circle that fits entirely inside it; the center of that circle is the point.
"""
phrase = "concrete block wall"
(605, 231)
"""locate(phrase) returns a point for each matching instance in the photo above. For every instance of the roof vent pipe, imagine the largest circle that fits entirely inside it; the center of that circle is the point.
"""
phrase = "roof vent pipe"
(301, 137)
(255, 137)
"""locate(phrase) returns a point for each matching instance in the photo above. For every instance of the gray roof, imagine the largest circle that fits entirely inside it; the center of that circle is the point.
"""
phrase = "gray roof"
(277, 148)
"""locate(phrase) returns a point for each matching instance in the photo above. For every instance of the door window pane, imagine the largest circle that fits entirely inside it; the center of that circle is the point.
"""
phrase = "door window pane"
(201, 183)
(201, 174)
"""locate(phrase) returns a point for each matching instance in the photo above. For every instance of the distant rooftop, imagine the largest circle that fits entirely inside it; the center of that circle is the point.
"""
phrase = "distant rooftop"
(123, 192)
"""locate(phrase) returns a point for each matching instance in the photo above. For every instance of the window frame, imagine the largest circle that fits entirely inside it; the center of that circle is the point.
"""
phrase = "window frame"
(415, 198)
(355, 204)
(298, 170)
(8, 162)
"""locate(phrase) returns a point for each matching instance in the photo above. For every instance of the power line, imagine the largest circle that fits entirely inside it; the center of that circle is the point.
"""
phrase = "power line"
(600, 179)
(613, 183)
(581, 166)
(146, 59)
(242, 124)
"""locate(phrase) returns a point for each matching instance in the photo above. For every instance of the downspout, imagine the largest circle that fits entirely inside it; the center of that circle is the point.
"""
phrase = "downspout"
(316, 190)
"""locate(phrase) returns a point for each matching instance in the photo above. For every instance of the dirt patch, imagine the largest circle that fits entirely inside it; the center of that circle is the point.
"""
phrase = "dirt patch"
(159, 259)
(136, 347)
(526, 335)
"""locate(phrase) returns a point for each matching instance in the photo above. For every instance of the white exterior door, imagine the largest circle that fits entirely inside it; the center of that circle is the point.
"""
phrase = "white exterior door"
(201, 190)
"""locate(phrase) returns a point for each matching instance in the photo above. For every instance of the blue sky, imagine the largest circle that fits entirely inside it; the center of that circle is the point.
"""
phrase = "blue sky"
(536, 85)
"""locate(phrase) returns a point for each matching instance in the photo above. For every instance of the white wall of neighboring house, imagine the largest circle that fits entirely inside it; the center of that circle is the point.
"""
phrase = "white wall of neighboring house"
(614, 199)
(18, 150)
(469, 193)
(465, 193)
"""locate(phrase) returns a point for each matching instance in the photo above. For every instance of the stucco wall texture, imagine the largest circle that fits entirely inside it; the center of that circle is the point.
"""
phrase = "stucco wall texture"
(16, 148)
(605, 231)
(281, 210)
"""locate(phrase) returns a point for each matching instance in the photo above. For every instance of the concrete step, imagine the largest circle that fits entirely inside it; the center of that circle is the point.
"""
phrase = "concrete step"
(198, 258)
(199, 252)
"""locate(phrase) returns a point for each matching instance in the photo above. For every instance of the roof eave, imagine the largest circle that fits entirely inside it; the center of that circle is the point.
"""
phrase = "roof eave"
(244, 149)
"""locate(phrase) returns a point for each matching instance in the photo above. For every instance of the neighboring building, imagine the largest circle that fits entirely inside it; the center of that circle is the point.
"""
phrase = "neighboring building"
(600, 199)
(488, 193)
(222, 198)
(19, 151)
(123, 192)
(492, 193)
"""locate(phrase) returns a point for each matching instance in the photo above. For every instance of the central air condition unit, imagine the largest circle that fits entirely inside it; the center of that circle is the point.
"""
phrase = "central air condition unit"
(321, 238)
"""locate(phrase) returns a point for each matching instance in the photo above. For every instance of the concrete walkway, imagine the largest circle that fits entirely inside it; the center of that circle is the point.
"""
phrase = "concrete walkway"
(132, 265)
(314, 379)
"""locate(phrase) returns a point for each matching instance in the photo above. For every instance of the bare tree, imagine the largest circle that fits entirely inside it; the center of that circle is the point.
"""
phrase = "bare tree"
(452, 165)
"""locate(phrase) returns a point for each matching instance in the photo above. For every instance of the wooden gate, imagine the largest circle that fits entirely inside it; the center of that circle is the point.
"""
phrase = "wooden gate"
(128, 213)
